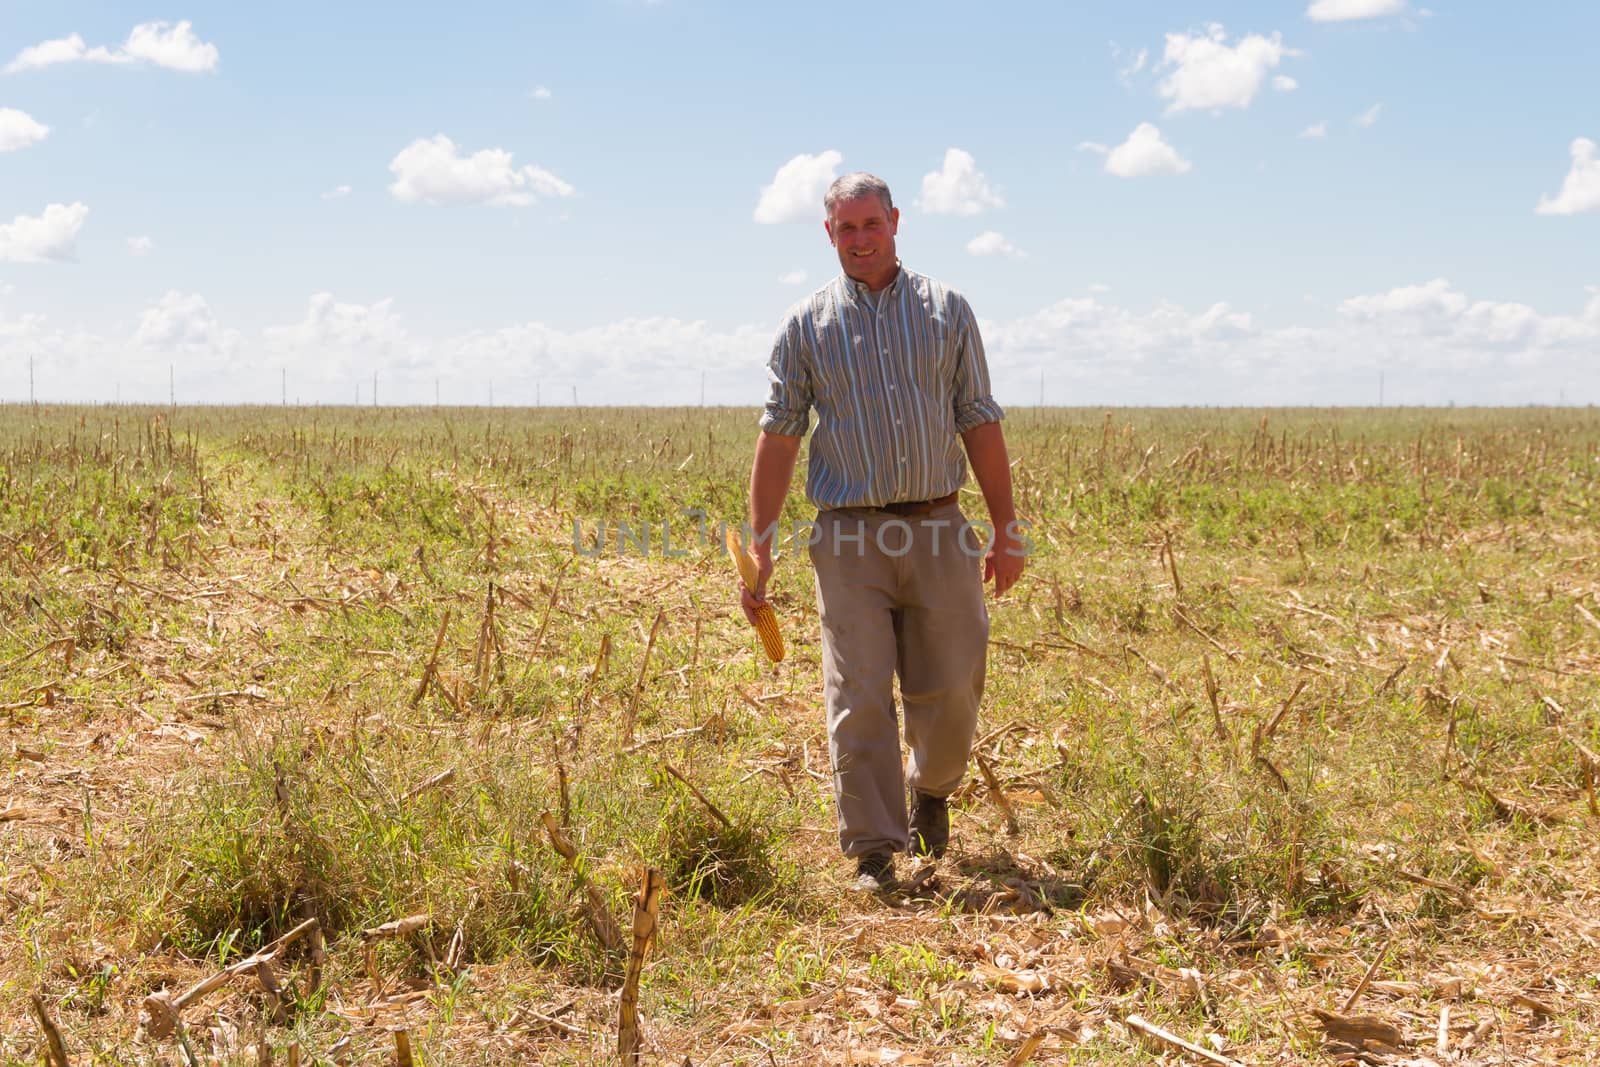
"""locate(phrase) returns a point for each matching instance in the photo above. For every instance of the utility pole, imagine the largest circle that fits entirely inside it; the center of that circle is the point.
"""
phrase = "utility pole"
(374, 388)
(574, 396)
(286, 387)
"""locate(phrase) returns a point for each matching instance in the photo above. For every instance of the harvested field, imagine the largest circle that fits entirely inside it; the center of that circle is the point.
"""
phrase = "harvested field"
(1291, 728)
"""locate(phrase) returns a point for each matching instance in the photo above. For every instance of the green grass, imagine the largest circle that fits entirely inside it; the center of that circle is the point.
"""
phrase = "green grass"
(234, 736)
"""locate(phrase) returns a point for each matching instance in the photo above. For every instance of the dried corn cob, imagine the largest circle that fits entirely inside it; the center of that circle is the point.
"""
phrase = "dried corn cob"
(766, 618)
(767, 627)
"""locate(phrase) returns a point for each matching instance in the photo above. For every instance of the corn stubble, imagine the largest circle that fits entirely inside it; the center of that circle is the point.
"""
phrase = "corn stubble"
(1277, 690)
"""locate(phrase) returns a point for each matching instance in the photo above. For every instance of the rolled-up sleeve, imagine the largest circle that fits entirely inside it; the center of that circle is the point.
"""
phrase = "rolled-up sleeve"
(788, 409)
(973, 403)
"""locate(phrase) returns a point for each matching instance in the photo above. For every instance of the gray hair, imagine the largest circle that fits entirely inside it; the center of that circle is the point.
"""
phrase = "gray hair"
(854, 187)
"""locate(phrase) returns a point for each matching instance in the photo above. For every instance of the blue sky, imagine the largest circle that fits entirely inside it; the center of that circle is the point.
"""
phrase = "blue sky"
(1146, 204)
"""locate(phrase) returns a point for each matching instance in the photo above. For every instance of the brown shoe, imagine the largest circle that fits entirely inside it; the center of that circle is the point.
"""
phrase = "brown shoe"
(875, 873)
(930, 825)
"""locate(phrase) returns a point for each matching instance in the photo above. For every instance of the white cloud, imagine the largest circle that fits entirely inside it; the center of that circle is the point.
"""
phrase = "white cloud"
(1347, 10)
(1580, 190)
(69, 49)
(1475, 331)
(1208, 73)
(1135, 65)
(792, 277)
(1284, 84)
(1435, 299)
(958, 188)
(1085, 338)
(540, 92)
(341, 331)
(1099, 287)
(184, 322)
(658, 358)
(1316, 129)
(993, 243)
(1434, 343)
(61, 357)
(18, 129)
(796, 190)
(173, 48)
(140, 246)
(430, 170)
(1368, 117)
(49, 237)
(336, 344)
(161, 44)
(337, 192)
(1144, 153)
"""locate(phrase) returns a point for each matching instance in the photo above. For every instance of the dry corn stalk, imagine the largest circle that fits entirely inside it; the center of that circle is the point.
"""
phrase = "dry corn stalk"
(1359, 1030)
(162, 1009)
(630, 1040)
(1160, 1037)
(56, 1049)
(766, 618)
(402, 1047)
(600, 920)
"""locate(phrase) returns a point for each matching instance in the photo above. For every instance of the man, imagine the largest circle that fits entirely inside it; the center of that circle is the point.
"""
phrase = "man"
(892, 362)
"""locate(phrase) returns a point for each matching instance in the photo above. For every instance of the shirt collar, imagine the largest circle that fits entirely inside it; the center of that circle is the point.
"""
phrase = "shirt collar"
(859, 290)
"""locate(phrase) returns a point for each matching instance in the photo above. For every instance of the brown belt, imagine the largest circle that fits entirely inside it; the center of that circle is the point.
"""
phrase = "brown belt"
(919, 507)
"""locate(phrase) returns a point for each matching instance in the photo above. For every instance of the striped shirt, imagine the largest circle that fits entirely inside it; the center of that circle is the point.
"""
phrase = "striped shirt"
(895, 377)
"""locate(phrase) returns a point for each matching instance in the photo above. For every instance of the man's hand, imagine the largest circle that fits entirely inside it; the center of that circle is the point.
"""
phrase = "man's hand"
(986, 451)
(769, 484)
(750, 598)
(1004, 562)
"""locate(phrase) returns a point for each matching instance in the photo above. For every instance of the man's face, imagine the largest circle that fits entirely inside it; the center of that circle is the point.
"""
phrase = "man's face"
(863, 235)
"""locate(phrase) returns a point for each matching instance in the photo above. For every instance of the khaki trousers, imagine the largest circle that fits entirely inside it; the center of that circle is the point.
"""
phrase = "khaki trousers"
(898, 596)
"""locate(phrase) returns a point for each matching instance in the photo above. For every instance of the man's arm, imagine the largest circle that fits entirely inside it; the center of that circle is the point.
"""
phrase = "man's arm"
(986, 452)
(770, 476)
